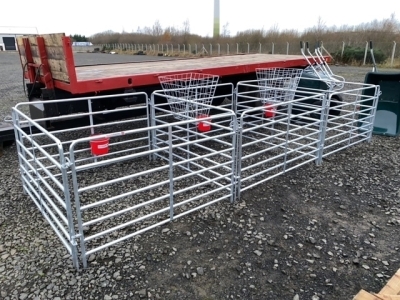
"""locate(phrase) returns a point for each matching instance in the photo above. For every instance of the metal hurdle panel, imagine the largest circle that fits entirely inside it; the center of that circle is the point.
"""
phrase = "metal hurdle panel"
(355, 122)
(273, 139)
(203, 150)
(148, 175)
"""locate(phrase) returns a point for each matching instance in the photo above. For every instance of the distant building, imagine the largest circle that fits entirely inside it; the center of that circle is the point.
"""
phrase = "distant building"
(80, 44)
(9, 34)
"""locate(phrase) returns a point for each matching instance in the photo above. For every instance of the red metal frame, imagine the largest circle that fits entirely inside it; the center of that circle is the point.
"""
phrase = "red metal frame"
(30, 71)
(106, 84)
(46, 74)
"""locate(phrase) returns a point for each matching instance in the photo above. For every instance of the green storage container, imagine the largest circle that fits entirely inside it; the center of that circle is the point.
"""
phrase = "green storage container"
(387, 118)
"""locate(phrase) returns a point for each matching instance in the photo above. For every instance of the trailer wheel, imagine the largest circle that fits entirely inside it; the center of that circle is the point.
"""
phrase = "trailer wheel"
(316, 115)
(335, 101)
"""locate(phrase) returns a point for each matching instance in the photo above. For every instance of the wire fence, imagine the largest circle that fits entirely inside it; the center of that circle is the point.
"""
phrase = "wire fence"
(210, 49)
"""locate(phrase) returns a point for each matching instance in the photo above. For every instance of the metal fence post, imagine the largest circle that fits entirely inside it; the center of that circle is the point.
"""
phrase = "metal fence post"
(260, 47)
(210, 49)
(273, 47)
(237, 48)
(365, 53)
(393, 51)
(219, 49)
(287, 48)
(248, 47)
(342, 50)
(227, 49)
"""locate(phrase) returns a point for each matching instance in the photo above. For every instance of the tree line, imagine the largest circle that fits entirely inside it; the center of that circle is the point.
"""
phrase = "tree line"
(384, 33)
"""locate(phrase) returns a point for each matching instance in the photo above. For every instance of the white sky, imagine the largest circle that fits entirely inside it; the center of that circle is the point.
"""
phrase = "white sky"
(88, 17)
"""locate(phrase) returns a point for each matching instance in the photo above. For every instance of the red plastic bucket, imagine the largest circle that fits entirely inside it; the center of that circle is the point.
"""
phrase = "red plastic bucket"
(269, 111)
(99, 146)
(203, 126)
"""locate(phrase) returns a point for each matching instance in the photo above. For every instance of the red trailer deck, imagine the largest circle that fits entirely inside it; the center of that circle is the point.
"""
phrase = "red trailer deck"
(52, 55)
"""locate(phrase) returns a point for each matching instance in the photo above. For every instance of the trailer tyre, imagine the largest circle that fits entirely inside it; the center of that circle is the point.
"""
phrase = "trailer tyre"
(316, 115)
(335, 101)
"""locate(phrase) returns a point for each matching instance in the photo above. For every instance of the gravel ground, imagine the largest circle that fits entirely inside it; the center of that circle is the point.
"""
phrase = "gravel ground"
(315, 233)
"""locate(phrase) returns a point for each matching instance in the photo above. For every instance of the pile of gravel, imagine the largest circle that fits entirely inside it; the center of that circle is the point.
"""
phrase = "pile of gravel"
(314, 233)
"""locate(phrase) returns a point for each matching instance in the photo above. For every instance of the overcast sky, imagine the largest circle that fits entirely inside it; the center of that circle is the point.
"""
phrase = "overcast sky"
(88, 17)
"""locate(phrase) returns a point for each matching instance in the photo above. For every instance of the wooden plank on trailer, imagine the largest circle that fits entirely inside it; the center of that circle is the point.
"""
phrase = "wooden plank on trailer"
(388, 297)
(62, 76)
(240, 62)
(21, 48)
(392, 287)
(50, 40)
(55, 53)
(364, 295)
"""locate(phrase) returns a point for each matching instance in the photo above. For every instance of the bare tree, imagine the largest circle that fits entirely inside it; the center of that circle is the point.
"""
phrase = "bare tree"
(157, 29)
(186, 31)
(225, 30)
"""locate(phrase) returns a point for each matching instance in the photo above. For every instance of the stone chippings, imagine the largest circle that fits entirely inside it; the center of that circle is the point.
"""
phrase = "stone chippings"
(315, 233)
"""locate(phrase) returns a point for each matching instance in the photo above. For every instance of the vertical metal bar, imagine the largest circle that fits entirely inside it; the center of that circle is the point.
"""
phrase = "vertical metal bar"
(171, 174)
(235, 159)
(289, 113)
(219, 49)
(19, 138)
(78, 210)
(90, 116)
(287, 48)
(195, 48)
(322, 128)
(71, 226)
(237, 48)
(260, 47)
(373, 111)
(152, 125)
(238, 159)
(248, 47)
(188, 146)
(354, 115)
(273, 48)
(227, 49)
(211, 48)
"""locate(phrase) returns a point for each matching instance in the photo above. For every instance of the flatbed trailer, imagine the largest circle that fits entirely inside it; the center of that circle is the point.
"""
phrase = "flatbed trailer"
(50, 73)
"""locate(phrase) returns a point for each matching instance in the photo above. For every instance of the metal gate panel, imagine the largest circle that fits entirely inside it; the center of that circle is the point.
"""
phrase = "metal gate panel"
(133, 175)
